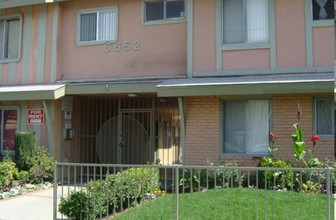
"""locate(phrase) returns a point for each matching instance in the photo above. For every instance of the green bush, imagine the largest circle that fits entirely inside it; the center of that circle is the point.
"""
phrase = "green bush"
(8, 172)
(41, 165)
(116, 192)
(275, 179)
(78, 205)
(131, 185)
(220, 176)
(23, 176)
(24, 143)
(189, 180)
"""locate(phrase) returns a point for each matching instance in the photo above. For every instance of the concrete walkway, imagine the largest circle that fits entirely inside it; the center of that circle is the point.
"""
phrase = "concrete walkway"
(36, 205)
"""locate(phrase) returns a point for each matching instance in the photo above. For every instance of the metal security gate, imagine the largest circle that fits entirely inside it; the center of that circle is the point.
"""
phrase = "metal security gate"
(128, 130)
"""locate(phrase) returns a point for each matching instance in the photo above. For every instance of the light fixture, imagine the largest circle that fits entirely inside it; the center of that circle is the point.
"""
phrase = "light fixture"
(132, 95)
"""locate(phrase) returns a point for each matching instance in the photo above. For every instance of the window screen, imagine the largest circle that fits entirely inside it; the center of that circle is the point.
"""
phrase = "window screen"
(164, 10)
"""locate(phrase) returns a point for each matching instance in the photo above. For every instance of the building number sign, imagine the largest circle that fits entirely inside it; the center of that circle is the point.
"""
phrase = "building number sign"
(122, 46)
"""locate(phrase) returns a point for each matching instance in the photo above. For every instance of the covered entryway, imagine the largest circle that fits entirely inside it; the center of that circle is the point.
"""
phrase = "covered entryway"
(128, 130)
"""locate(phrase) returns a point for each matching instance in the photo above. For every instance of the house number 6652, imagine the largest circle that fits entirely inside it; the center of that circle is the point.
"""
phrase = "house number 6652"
(125, 46)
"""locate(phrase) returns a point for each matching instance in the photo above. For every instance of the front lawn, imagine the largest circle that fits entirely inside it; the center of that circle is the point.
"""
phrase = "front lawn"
(235, 203)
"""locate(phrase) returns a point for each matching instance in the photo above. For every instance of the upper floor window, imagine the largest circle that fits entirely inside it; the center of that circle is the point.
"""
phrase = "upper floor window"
(245, 21)
(10, 37)
(97, 25)
(323, 9)
(246, 127)
(164, 10)
(323, 116)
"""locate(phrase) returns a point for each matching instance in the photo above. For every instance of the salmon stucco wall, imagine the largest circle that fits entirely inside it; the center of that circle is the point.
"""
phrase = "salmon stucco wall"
(204, 35)
(203, 129)
(162, 50)
(323, 39)
(290, 33)
(246, 59)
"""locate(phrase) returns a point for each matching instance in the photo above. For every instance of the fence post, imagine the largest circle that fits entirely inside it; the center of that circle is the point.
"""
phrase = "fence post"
(55, 193)
(177, 190)
(329, 191)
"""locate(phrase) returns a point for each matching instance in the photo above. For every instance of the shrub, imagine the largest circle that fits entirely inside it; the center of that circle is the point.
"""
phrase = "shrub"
(100, 191)
(78, 205)
(219, 176)
(189, 180)
(8, 171)
(117, 191)
(131, 185)
(23, 176)
(41, 166)
(275, 179)
(24, 146)
(226, 178)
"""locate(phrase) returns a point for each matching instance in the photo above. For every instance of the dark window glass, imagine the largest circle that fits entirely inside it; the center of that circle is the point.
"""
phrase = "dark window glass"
(154, 11)
(174, 9)
(323, 117)
(323, 10)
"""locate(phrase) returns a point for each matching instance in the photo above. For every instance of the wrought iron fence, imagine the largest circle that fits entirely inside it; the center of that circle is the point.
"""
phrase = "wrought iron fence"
(102, 191)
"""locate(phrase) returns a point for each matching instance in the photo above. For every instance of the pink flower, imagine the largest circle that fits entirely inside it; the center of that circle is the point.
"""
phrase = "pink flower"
(272, 137)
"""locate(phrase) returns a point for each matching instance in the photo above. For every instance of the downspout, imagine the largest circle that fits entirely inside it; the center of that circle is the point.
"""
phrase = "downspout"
(182, 127)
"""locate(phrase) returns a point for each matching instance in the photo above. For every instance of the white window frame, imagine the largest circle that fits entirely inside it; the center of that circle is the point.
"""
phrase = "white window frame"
(97, 10)
(7, 60)
(222, 132)
(164, 20)
(332, 109)
(2, 108)
(247, 45)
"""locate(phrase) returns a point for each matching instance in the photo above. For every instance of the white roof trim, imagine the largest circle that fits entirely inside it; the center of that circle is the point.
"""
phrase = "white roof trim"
(32, 92)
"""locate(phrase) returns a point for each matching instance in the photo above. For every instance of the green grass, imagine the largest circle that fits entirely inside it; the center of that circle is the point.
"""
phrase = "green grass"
(237, 203)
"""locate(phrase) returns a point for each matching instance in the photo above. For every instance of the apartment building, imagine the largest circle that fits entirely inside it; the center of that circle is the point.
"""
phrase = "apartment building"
(182, 81)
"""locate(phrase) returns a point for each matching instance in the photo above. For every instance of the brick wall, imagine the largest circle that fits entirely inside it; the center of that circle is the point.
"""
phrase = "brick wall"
(202, 116)
(202, 129)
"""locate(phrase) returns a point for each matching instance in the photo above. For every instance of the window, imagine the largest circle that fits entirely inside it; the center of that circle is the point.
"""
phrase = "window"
(8, 126)
(323, 9)
(98, 25)
(10, 38)
(245, 21)
(246, 127)
(323, 116)
(163, 10)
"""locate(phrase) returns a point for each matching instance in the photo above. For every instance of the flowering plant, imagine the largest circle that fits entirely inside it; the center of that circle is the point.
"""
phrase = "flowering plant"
(313, 161)
(300, 145)
(272, 148)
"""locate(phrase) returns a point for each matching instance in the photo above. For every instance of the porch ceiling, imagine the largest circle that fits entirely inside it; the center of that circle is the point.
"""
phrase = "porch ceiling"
(32, 92)
(248, 85)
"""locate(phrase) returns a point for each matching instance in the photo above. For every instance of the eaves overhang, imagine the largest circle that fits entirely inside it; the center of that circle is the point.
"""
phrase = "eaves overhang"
(248, 85)
(112, 87)
(32, 92)
(18, 3)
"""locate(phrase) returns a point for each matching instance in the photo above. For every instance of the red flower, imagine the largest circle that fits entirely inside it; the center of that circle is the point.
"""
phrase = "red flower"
(315, 138)
(272, 136)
